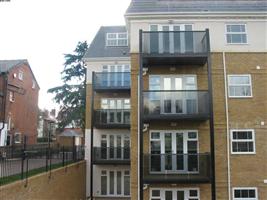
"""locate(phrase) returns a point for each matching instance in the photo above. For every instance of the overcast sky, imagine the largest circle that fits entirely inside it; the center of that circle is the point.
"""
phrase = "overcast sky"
(43, 30)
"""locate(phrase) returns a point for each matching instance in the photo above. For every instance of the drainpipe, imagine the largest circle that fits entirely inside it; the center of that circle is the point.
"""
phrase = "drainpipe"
(227, 129)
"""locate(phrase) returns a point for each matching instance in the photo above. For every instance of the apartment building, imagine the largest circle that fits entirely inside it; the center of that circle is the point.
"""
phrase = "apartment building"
(198, 102)
(19, 102)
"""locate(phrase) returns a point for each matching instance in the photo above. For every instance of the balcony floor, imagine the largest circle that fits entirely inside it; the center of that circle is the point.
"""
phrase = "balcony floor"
(172, 178)
(174, 59)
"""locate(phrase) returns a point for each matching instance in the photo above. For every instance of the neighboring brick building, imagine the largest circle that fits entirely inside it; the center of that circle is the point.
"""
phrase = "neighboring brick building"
(21, 103)
(197, 99)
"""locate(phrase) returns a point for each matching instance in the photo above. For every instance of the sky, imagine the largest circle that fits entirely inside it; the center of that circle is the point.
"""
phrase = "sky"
(42, 31)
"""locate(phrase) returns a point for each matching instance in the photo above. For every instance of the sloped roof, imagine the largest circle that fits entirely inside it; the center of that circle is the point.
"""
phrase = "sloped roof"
(7, 65)
(98, 46)
(170, 6)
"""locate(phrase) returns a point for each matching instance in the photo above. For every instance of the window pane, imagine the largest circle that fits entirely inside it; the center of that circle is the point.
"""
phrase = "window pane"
(168, 195)
(127, 185)
(111, 182)
(193, 193)
(237, 193)
(103, 185)
(118, 183)
(155, 193)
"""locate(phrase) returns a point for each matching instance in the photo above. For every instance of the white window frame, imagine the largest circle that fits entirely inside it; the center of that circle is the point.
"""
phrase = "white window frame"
(20, 75)
(240, 75)
(173, 132)
(33, 84)
(123, 174)
(116, 39)
(236, 33)
(243, 140)
(245, 188)
(186, 191)
(20, 138)
(11, 96)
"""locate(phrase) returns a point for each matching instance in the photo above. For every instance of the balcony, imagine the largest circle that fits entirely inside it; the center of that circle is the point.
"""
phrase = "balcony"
(176, 105)
(111, 155)
(176, 168)
(112, 81)
(112, 118)
(174, 47)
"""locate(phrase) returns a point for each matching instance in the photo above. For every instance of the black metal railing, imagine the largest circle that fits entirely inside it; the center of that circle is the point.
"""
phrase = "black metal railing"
(112, 118)
(174, 42)
(112, 80)
(111, 155)
(21, 161)
(176, 104)
(183, 168)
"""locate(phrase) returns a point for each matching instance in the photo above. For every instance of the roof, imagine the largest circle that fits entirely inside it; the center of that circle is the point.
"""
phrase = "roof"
(7, 65)
(71, 133)
(170, 6)
(98, 46)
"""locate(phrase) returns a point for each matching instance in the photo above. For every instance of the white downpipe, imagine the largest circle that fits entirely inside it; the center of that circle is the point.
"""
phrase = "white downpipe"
(227, 130)
(138, 138)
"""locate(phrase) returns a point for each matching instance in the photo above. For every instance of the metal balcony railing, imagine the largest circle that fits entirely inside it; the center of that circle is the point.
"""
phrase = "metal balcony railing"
(174, 42)
(111, 155)
(176, 104)
(112, 118)
(112, 81)
(177, 168)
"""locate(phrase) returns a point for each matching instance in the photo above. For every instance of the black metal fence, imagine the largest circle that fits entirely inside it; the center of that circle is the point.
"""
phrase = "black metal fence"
(20, 162)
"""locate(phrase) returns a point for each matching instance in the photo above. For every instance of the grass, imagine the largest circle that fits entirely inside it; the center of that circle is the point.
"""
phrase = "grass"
(33, 172)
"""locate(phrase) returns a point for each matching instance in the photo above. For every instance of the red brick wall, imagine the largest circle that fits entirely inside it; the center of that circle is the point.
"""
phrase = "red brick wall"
(24, 110)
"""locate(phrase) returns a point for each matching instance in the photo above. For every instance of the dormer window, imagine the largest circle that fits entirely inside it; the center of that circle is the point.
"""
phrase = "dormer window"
(117, 39)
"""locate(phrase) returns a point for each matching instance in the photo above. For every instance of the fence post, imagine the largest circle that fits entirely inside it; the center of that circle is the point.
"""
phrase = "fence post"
(46, 161)
(73, 149)
(63, 156)
(23, 156)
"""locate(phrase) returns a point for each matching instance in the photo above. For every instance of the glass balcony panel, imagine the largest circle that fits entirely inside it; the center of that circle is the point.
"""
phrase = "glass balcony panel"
(175, 104)
(112, 118)
(112, 80)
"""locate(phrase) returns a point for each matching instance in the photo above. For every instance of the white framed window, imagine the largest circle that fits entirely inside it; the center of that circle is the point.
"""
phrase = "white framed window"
(11, 96)
(33, 84)
(117, 39)
(245, 193)
(236, 34)
(17, 138)
(177, 193)
(9, 123)
(115, 183)
(243, 141)
(240, 86)
(20, 75)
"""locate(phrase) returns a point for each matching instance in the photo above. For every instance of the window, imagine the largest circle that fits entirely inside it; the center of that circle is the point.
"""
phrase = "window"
(17, 138)
(236, 34)
(245, 193)
(9, 123)
(115, 183)
(240, 85)
(117, 39)
(243, 141)
(20, 75)
(33, 84)
(11, 96)
(169, 194)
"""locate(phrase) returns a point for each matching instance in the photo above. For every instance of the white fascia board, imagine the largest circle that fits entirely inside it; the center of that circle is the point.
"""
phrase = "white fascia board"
(100, 59)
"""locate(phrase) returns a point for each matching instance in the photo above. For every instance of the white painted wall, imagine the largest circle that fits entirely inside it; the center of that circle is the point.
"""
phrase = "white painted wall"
(256, 31)
(3, 136)
(96, 66)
